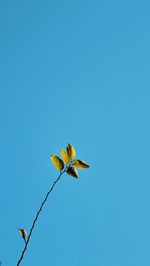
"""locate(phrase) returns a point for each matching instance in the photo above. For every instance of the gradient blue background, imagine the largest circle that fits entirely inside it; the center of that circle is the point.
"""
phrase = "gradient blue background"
(77, 72)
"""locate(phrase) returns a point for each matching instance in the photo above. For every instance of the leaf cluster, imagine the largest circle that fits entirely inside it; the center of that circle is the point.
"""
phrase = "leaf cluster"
(68, 163)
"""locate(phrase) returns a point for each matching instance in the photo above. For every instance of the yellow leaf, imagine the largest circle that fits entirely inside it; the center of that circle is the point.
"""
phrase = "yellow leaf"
(72, 171)
(59, 164)
(71, 151)
(65, 156)
(80, 164)
(22, 233)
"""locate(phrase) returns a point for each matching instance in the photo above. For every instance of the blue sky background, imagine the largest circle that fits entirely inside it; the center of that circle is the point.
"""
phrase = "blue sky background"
(77, 72)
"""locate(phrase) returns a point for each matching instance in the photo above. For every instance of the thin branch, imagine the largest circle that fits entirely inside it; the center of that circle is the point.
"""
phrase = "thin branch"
(36, 218)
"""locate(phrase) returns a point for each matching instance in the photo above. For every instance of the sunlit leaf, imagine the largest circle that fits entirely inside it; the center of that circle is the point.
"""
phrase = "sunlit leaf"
(59, 164)
(71, 151)
(80, 164)
(65, 156)
(72, 171)
(22, 233)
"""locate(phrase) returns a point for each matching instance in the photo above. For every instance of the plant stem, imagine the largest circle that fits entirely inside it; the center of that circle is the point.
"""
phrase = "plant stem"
(37, 216)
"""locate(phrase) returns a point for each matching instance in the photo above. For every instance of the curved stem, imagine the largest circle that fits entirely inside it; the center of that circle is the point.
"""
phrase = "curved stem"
(36, 218)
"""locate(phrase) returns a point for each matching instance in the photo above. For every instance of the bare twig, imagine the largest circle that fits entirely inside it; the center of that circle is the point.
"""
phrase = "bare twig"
(36, 218)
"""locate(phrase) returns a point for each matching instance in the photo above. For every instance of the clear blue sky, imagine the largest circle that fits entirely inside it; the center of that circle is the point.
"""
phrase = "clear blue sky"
(77, 72)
